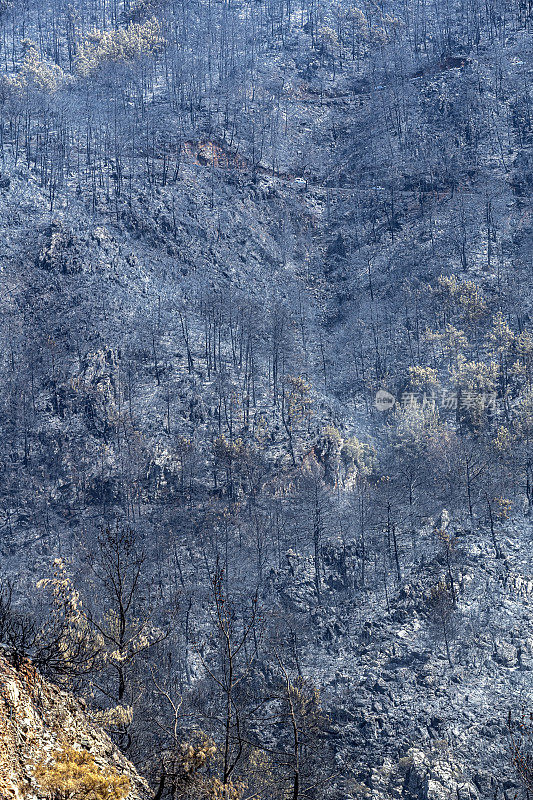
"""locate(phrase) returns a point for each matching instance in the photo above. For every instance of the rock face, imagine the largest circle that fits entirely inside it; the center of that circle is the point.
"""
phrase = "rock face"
(36, 719)
(405, 722)
(61, 252)
(421, 776)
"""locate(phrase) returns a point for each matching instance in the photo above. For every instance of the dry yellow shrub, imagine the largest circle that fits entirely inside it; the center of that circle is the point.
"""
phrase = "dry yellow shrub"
(75, 775)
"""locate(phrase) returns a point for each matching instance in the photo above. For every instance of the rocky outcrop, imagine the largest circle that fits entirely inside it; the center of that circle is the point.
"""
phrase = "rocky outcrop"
(421, 776)
(61, 252)
(37, 719)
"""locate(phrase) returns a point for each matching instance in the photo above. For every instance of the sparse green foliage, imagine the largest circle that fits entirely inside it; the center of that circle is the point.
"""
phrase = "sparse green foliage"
(461, 299)
(37, 73)
(120, 46)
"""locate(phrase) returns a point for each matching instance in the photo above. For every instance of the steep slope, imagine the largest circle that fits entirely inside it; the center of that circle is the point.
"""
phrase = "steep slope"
(37, 720)
(199, 304)
(407, 720)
